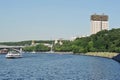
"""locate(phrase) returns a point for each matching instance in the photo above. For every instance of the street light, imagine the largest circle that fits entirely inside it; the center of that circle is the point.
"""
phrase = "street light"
(101, 22)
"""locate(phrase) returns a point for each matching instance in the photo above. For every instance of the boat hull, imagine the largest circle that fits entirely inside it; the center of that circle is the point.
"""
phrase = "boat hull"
(13, 56)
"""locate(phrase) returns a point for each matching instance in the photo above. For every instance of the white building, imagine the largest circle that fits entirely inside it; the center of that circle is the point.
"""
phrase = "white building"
(98, 23)
(56, 41)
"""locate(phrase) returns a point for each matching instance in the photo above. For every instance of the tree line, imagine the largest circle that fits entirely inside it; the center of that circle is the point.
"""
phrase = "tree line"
(25, 43)
(103, 41)
(37, 48)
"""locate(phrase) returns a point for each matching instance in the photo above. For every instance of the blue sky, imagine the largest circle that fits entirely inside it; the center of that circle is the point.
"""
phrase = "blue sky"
(52, 19)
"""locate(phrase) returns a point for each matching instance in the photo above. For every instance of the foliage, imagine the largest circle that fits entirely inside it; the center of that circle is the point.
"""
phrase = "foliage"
(37, 48)
(65, 47)
(103, 41)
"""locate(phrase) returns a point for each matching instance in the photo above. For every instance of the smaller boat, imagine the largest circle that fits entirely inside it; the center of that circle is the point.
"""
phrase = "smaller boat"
(33, 52)
(14, 54)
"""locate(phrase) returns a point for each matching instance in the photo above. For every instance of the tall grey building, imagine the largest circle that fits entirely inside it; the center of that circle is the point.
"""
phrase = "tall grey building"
(98, 23)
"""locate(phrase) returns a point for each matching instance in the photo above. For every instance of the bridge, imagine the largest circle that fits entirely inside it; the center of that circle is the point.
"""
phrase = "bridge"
(9, 47)
(4, 48)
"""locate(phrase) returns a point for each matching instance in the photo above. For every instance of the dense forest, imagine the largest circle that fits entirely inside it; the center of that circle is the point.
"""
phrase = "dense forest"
(38, 48)
(103, 41)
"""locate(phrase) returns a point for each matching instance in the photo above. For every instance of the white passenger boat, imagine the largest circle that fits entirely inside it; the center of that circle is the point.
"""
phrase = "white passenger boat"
(14, 54)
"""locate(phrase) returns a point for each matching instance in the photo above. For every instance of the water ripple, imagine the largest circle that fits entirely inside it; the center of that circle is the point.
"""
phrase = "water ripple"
(58, 67)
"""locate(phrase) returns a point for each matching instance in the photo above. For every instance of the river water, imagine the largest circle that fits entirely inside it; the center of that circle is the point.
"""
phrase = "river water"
(58, 67)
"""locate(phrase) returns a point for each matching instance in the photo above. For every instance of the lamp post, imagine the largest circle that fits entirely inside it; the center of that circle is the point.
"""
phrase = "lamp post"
(101, 22)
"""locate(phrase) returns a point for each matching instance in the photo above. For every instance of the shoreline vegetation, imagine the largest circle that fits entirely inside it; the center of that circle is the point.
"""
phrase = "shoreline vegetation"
(105, 43)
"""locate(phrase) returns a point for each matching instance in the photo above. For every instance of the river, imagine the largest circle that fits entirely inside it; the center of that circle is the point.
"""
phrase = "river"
(58, 67)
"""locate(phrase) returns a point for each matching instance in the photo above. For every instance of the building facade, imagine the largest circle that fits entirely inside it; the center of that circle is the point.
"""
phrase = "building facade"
(99, 23)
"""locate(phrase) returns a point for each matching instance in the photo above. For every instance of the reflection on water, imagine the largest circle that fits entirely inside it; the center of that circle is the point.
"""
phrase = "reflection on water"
(58, 67)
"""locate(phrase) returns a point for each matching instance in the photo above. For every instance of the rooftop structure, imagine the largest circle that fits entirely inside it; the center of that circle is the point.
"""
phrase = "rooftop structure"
(99, 23)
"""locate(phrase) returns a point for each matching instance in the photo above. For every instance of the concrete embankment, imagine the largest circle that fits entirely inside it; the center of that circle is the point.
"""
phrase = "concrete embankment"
(114, 56)
(64, 52)
(102, 54)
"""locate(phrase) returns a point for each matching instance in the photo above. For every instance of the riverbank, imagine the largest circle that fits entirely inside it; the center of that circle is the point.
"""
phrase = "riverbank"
(102, 54)
(111, 55)
(63, 52)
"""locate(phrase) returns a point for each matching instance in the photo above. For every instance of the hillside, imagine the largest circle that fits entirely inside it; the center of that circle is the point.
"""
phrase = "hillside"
(103, 41)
